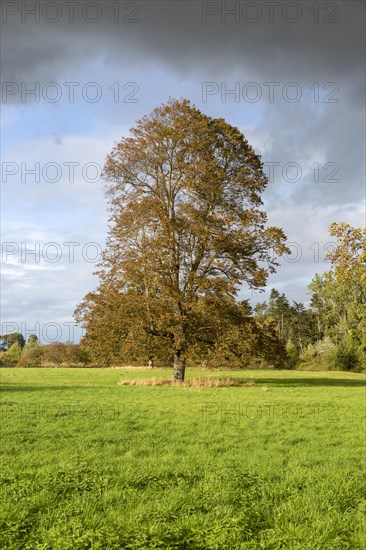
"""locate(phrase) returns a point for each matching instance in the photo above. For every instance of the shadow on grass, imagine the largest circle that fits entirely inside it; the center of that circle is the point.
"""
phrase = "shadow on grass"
(299, 382)
(34, 387)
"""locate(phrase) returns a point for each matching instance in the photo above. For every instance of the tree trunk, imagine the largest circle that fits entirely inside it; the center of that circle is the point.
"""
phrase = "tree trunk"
(179, 367)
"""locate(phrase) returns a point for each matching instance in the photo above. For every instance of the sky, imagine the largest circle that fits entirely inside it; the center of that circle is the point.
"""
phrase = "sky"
(77, 75)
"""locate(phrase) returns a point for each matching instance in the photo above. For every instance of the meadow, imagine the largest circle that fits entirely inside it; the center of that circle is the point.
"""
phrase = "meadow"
(88, 463)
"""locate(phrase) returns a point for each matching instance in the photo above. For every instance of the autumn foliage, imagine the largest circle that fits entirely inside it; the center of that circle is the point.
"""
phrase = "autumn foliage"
(186, 232)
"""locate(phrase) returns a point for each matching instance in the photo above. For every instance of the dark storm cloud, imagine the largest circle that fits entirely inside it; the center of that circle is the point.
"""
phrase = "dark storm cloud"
(334, 140)
(203, 42)
(175, 35)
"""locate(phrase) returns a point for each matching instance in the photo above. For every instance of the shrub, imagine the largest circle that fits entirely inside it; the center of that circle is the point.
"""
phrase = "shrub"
(346, 358)
(326, 355)
(292, 354)
(12, 356)
(74, 354)
(54, 353)
(309, 353)
(361, 355)
(31, 356)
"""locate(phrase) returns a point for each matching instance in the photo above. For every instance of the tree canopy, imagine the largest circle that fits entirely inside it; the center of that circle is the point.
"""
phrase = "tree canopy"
(7, 340)
(186, 231)
(339, 295)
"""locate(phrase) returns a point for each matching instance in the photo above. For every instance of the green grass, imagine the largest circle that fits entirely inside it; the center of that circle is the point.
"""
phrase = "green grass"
(88, 463)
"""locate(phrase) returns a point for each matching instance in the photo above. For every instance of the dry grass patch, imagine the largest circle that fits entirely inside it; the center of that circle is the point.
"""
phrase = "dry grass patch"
(200, 382)
(136, 367)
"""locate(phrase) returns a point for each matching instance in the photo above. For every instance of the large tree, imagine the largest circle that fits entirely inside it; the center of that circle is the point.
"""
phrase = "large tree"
(186, 228)
(339, 295)
(7, 340)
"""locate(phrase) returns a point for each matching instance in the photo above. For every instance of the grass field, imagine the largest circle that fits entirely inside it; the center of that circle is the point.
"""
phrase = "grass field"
(89, 463)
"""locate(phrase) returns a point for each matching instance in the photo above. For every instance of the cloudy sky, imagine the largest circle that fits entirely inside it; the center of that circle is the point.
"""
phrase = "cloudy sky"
(76, 76)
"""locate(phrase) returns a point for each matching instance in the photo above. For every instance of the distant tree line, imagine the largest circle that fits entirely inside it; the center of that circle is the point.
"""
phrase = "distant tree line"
(16, 352)
(329, 334)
